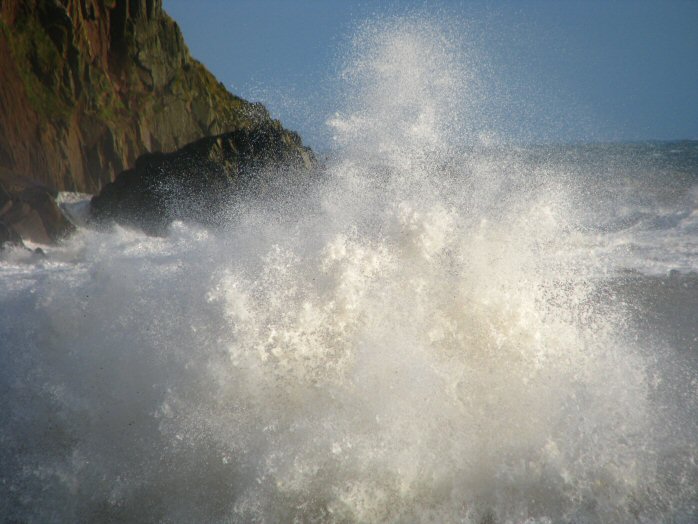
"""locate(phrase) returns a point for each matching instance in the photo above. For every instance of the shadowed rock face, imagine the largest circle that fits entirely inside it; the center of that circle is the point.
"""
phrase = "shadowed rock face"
(88, 86)
(29, 211)
(200, 181)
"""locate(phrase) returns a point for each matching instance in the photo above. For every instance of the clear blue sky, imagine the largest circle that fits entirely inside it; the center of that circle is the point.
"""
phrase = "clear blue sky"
(573, 70)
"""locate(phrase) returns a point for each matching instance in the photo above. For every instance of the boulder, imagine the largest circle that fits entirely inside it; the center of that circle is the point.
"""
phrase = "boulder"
(28, 211)
(9, 237)
(198, 182)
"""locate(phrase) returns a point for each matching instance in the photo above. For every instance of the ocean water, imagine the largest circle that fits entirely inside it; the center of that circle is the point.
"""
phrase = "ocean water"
(438, 328)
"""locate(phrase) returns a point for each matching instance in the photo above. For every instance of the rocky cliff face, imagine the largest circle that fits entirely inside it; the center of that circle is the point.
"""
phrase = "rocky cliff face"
(87, 86)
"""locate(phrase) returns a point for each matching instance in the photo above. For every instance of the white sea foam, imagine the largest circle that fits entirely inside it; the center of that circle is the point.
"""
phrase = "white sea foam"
(411, 341)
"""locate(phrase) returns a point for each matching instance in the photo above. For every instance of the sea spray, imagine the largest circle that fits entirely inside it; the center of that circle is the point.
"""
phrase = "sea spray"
(416, 337)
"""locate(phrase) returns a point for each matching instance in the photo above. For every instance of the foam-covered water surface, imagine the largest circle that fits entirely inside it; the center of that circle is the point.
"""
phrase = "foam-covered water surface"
(428, 333)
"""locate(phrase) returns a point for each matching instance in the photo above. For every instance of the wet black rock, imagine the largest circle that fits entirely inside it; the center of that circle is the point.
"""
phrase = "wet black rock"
(199, 181)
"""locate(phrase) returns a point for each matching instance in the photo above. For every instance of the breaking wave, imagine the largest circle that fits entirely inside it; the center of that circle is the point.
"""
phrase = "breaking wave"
(414, 337)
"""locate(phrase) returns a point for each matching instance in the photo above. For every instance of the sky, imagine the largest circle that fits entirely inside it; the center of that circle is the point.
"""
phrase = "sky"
(561, 71)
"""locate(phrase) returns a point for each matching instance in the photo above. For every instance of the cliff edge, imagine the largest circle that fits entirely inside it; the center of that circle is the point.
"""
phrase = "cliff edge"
(88, 86)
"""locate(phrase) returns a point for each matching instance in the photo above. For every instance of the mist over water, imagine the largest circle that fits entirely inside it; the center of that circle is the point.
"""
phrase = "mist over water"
(434, 331)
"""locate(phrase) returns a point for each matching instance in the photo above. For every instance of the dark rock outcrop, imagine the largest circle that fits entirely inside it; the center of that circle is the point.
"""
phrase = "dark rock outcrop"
(198, 182)
(9, 237)
(88, 86)
(29, 211)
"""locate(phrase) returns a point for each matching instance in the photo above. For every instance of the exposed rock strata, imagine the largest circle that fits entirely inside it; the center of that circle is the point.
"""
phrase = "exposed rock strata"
(87, 86)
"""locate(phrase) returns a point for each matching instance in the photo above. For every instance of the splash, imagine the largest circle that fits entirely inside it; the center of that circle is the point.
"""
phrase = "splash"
(408, 339)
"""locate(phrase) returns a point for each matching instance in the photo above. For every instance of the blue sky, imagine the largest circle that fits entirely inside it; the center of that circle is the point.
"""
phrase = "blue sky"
(572, 70)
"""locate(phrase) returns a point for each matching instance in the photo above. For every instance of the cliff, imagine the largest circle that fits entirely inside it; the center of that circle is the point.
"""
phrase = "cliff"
(88, 86)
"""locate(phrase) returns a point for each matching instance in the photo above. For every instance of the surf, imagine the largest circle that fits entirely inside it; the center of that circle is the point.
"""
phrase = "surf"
(415, 336)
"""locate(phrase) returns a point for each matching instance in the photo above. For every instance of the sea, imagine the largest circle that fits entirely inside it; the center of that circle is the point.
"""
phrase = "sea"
(437, 327)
